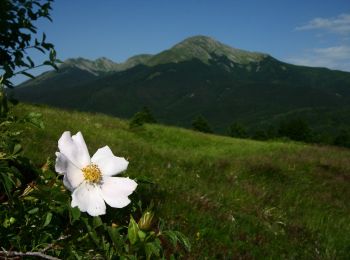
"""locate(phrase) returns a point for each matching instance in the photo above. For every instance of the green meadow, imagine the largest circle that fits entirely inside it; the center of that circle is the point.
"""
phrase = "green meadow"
(233, 198)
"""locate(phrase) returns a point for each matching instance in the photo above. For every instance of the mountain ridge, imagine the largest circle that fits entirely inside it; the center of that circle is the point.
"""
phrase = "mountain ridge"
(200, 47)
(195, 47)
(196, 76)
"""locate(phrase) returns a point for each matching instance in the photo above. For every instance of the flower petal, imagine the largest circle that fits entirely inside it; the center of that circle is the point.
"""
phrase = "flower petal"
(67, 183)
(108, 163)
(74, 148)
(115, 191)
(101, 153)
(88, 199)
(74, 175)
(61, 163)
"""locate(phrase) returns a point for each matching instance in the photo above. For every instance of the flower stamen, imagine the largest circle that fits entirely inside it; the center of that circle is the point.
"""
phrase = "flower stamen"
(92, 173)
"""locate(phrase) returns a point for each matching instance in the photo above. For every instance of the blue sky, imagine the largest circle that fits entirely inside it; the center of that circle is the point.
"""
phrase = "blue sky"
(307, 32)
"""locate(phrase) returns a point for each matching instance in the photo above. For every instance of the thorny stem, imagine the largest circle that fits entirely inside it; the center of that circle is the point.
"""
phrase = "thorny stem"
(15, 254)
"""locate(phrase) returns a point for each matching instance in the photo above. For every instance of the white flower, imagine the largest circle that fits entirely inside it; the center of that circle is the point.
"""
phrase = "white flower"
(90, 178)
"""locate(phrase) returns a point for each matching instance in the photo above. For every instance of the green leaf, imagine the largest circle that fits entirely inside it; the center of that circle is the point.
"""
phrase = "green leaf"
(133, 231)
(161, 224)
(152, 248)
(44, 38)
(30, 61)
(47, 219)
(35, 119)
(141, 235)
(171, 236)
(6, 223)
(184, 240)
(33, 211)
(94, 237)
(115, 236)
(8, 182)
(17, 148)
(97, 222)
(176, 237)
(52, 55)
(74, 214)
(54, 66)
(47, 46)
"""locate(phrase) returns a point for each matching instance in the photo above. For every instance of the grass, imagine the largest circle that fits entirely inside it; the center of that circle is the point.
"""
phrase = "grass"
(233, 198)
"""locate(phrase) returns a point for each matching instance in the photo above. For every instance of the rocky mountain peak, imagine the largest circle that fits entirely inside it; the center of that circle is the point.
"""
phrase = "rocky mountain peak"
(205, 49)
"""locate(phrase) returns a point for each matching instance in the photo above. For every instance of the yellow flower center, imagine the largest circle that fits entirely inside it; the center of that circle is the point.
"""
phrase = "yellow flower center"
(92, 173)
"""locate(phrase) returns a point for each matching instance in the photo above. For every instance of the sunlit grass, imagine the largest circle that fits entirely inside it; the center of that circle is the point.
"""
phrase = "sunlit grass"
(232, 197)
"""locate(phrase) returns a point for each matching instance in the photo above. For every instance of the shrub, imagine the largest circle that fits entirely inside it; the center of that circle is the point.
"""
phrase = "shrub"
(201, 124)
(295, 129)
(237, 130)
(142, 117)
(343, 139)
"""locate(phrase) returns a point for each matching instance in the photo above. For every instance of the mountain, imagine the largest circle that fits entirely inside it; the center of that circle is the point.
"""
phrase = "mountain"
(198, 76)
(204, 49)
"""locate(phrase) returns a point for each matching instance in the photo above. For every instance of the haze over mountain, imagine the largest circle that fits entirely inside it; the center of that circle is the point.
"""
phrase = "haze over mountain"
(198, 76)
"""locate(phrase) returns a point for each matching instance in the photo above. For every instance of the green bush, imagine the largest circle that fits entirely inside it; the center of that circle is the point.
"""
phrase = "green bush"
(142, 117)
(343, 139)
(237, 130)
(201, 124)
(295, 129)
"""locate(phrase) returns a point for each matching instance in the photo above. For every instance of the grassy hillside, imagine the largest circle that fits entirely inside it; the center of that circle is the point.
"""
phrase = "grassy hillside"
(233, 198)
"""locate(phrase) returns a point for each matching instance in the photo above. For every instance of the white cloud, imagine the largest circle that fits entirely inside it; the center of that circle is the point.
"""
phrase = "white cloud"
(335, 57)
(335, 52)
(339, 24)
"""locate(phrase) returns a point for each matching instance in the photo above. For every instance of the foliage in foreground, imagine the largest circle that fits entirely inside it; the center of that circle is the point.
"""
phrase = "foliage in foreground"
(40, 219)
(19, 36)
(36, 217)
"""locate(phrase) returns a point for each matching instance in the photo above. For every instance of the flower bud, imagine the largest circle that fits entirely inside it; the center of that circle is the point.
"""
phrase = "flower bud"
(46, 166)
(12, 220)
(145, 222)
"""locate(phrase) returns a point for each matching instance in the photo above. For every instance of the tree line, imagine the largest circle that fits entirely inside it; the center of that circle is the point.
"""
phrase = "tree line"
(296, 129)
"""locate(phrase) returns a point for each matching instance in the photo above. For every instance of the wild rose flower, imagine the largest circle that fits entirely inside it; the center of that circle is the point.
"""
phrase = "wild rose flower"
(89, 179)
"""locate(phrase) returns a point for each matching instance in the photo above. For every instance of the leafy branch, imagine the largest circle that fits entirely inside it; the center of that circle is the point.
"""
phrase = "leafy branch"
(18, 34)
